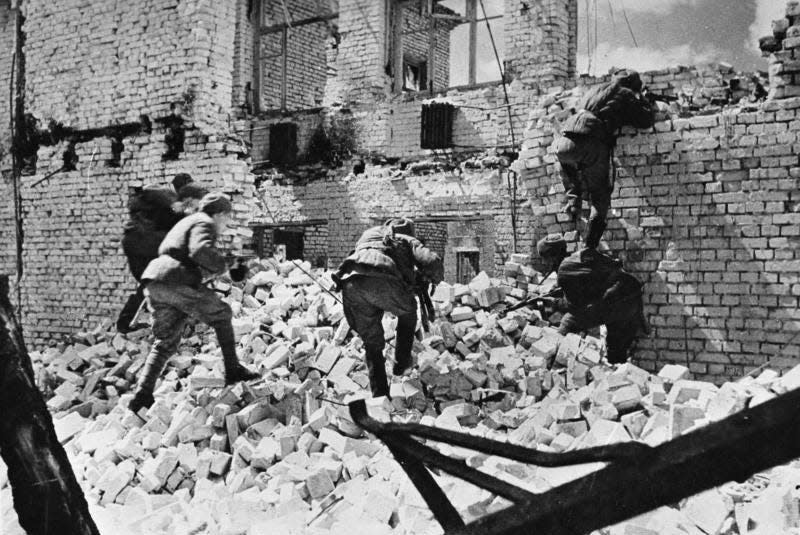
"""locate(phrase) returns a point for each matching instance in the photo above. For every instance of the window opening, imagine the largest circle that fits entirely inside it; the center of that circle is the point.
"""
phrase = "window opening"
(467, 265)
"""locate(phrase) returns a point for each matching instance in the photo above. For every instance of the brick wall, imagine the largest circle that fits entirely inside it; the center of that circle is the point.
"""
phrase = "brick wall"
(433, 234)
(359, 61)
(351, 204)
(306, 57)
(416, 42)
(540, 40)
(242, 59)
(91, 64)
(7, 236)
(705, 212)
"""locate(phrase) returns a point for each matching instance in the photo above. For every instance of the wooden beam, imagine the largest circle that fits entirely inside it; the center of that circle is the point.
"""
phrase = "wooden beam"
(47, 497)
(272, 28)
(473, 39)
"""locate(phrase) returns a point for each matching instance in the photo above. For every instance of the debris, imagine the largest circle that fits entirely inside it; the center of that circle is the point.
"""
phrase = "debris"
(284, 451)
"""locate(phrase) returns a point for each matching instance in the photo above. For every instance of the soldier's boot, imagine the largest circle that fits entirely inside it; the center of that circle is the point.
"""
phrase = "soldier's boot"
(403, 343)
(153, 367)
(376, 368)
(597, 226)
(573, 207)
(234, 371)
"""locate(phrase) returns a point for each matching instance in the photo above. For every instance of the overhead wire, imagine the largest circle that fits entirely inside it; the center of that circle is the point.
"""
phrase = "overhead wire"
(511, 181)
(628, 23)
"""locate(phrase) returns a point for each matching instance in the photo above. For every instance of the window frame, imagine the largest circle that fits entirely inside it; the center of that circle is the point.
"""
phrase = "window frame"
(395, 34)
(259, 31)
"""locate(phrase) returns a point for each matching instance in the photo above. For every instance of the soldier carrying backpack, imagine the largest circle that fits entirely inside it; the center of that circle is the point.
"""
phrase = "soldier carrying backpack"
(153, 212)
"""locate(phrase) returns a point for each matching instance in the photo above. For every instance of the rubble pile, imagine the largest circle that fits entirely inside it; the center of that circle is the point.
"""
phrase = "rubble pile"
(282, 454)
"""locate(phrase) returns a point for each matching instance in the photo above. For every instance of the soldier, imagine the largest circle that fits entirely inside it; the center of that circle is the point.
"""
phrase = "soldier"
(585, 146)
(596, 290)
(174, 287)
(381, 275)
(153, 211)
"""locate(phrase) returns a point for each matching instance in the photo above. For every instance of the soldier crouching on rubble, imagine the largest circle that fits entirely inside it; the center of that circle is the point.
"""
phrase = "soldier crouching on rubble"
(381, 275)
(596, 290)
(585, 146)
(153, 212)
(174, 287)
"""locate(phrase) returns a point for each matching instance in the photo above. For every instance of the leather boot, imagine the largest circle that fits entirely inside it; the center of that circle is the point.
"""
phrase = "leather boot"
(234, 371)
(153, 367)
(141, 399)
(403, 343)
(597, 225)
(376, 368)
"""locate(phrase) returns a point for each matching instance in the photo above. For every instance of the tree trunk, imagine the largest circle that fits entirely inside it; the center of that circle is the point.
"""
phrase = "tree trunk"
(47, 497)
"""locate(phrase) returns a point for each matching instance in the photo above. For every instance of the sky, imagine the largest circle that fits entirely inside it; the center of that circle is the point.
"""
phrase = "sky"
(667, 33)
(674, 32)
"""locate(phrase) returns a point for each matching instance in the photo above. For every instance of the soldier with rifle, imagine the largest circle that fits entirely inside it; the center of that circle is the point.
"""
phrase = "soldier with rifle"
(387, 269)
(585, 146)
(596, 291)
(174, 288)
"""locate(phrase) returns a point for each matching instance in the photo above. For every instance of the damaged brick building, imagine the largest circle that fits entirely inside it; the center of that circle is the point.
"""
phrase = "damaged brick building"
(276, 103)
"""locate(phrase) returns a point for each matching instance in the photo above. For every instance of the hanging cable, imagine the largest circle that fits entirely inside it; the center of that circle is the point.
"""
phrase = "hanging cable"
(613, 19)
(511, 130)
(625, 14)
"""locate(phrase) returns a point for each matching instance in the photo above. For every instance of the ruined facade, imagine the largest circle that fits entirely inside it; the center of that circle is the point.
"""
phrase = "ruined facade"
(276, 115)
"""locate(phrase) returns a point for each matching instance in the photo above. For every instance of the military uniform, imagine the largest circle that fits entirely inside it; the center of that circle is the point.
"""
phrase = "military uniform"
(381, 276)
(587, 140)
(595, 290)
(598, 291)
(174, 288)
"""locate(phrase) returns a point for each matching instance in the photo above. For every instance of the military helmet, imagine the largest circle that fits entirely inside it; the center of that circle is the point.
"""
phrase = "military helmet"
(552, 245)
(401, 225)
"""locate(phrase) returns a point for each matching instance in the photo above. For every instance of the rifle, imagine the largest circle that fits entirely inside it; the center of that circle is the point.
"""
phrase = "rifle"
(536, 302)
(422, 289)
(657, 97)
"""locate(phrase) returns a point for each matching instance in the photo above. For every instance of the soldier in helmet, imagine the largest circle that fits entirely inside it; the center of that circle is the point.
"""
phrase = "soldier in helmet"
(584, 148)
(596, 291)
(381, 276)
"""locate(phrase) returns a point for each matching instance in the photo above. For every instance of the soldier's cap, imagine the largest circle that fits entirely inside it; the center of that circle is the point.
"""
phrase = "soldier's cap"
(192, 191)
(401, 225)
(628, 78)
(180, 180)
(552, 245)
(215, 203)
